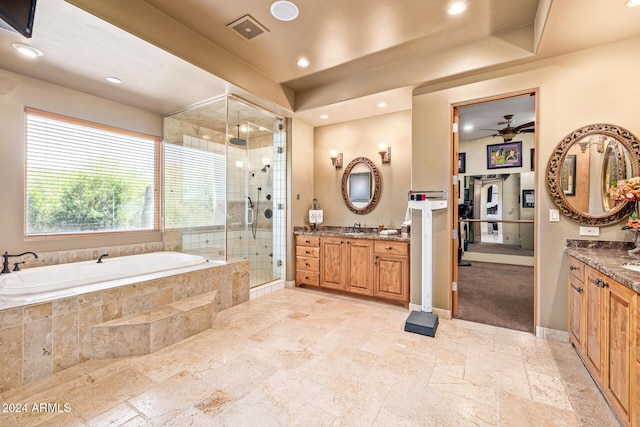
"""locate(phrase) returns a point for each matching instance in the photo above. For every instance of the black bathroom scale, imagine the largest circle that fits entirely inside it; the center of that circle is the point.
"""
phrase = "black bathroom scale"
(422, 323)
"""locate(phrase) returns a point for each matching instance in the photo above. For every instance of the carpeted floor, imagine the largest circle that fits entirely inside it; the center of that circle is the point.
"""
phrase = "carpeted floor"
(496, 294)
(498, 248)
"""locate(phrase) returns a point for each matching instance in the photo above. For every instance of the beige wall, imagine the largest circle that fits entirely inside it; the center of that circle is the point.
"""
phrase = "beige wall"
(592, 86)
(360, 138)
(299, 183)
(18, 92)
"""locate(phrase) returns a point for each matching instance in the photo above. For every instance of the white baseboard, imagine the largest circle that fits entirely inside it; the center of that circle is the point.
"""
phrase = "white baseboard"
(445, 314)
(552, 334)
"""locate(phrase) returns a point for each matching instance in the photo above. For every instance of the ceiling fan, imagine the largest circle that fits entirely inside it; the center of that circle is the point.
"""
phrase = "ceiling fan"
(509, 132)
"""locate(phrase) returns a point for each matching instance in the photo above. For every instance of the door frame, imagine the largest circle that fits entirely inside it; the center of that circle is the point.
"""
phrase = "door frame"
(453, 199)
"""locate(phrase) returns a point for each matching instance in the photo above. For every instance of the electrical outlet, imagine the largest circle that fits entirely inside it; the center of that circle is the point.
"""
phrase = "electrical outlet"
(554, 215)
(589, 231)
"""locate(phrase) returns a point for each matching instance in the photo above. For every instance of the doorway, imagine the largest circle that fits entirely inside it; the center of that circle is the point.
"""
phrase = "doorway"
(494, 276)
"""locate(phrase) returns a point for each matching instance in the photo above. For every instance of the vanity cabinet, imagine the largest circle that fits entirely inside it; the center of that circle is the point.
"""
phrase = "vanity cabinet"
(346, 264)
(392, 271)
(603, 329)
(376, 268)
(577, 304)
(308, 260)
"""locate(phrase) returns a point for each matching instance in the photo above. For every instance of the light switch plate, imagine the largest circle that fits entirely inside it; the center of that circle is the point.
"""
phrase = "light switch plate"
(554, 215)
(589, 231)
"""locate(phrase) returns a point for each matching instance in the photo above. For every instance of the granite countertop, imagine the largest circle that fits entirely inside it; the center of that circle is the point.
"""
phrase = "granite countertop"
(347, 232)
(607, 257)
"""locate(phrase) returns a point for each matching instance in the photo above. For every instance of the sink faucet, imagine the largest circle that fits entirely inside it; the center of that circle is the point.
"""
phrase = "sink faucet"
(6, 256)
(357, 227)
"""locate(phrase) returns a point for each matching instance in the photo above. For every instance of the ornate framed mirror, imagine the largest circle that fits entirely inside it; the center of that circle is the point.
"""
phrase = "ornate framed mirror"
(584, 165)
(361, 185)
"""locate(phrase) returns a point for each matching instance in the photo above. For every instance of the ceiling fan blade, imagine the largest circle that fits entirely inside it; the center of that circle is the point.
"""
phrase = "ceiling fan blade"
(526, 130)
(526, 125)
(494, 130)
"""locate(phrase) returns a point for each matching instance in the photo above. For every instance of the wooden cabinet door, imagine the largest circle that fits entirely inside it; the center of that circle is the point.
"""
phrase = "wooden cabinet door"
(391, 277)
(620, 332)
(594, 324)
(359, 272)
(332, 263)
(576, 313)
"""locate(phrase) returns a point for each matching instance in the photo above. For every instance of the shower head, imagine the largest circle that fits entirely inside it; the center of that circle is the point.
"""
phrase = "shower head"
(264, 169)
(238, 141)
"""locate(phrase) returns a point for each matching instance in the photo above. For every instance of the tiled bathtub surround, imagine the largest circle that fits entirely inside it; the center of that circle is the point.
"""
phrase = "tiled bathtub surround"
(41, 339)
(77, 255)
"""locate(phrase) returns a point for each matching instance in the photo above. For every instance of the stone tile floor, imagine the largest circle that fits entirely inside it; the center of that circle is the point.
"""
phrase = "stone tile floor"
(300, 357)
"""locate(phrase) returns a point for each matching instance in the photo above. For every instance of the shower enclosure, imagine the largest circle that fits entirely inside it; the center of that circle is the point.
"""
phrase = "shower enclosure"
(224, 177)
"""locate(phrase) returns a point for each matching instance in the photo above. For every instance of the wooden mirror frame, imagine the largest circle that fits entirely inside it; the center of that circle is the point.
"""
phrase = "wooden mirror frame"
(377, 186)
(554, 169)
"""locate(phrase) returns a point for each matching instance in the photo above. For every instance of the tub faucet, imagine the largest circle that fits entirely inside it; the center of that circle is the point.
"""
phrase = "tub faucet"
(102, 256)
(6, 256)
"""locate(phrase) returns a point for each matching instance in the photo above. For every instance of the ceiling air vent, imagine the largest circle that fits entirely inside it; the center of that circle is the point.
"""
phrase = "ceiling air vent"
(247, 27)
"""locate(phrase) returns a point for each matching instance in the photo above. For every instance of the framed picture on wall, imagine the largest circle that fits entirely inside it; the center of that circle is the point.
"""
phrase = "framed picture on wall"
(507, 155)
(528, 199)
(462, 162)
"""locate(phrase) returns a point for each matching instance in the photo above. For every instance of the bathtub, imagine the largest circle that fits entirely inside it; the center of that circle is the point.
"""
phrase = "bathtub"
(111, 272)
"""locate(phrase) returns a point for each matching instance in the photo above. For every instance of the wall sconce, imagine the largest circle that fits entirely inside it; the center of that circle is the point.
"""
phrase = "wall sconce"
(385, 153)
(336, 158)
(597, 140)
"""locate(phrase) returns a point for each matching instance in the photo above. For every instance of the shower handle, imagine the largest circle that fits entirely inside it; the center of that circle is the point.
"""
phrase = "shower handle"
(250, 222)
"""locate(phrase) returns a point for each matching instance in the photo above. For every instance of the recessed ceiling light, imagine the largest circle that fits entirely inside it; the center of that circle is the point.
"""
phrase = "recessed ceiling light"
(303, 62)
(632, 3)
(114, 80)
(206, 137)
(29, 51)
(457, 8)
(468, 127)
(284, 10)
(324, 116)
(382, 104)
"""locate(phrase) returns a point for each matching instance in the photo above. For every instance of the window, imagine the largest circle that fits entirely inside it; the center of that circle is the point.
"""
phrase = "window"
(84, 178)
(195, 184)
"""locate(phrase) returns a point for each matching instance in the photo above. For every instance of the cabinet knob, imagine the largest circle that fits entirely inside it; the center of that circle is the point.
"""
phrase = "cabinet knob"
(389, 248)
(573, 267)
(306, 241)
(580, 290)
(307, 252)
(307, 264)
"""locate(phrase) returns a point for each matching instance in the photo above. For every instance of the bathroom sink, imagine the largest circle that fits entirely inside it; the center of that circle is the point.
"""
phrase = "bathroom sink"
(632, 266)
(356, 234)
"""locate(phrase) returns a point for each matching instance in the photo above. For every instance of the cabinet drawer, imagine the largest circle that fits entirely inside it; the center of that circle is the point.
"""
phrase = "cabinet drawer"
(576, 268)
(307, 264)
(302, 240)
(307, 278)
(391, 248)
(307, 251)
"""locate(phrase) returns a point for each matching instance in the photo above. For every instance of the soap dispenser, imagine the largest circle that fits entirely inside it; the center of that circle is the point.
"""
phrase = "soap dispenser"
(381, 226)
